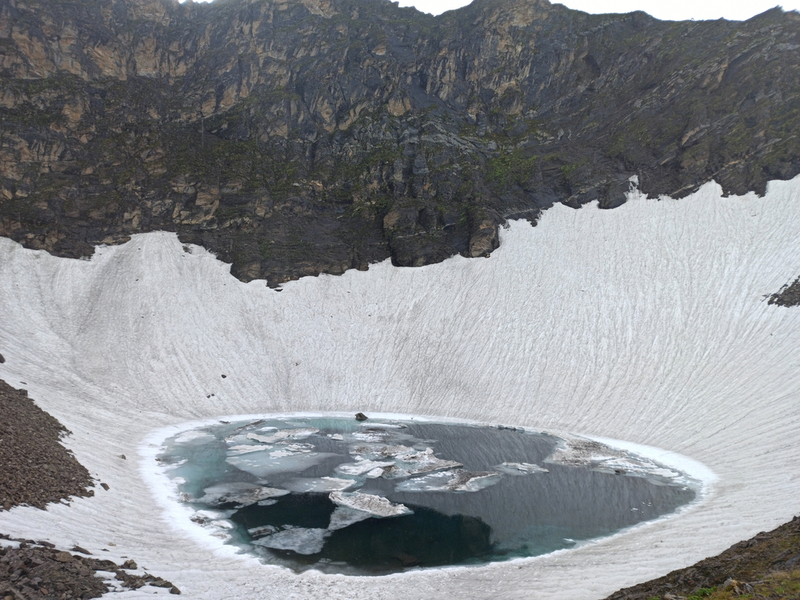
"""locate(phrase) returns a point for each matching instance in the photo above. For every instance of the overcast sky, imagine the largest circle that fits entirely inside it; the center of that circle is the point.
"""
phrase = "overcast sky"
(673, 10)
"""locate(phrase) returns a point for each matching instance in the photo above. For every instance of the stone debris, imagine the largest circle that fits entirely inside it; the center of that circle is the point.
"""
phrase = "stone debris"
(35, 469)
(32, 570)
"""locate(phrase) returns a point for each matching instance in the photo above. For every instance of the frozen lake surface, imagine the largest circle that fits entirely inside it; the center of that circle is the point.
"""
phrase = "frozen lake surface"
(388, 495)
(646, 323)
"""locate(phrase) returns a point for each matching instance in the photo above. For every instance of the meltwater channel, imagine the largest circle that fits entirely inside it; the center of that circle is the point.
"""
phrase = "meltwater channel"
(388, 495)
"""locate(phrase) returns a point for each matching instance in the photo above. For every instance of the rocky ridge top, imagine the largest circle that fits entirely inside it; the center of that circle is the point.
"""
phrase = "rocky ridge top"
(294, 137)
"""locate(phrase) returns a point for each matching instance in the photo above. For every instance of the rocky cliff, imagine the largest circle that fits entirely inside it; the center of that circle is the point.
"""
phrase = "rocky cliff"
(294, 137)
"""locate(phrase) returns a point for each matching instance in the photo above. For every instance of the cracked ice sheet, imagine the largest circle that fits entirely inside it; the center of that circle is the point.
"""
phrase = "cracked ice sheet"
(645, 323)
(278, 459)
(450, 481)
(298, 539)
(241, 493)
(592, 453)
(375, 506)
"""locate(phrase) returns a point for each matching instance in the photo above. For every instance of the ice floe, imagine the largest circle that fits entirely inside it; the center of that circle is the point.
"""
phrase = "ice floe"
(241, 493)
(319, 484)
(375, 506)
(396, 461)
(363, 466)
(285, 459)
(297, 539)
(194, 437)
(516, 468)
(450, 481)
(580, 452)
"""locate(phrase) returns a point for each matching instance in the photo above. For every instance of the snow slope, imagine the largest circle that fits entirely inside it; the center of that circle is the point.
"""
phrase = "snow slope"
(646, 323)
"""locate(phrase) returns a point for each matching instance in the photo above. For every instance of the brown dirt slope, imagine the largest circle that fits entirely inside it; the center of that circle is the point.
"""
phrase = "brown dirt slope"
(748, 561)
(35, 468)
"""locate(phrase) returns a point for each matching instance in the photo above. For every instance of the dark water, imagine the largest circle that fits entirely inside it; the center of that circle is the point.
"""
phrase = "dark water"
(504, 499)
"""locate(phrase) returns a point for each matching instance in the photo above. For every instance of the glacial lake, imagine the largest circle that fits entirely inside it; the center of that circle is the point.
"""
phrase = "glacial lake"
(387, 495)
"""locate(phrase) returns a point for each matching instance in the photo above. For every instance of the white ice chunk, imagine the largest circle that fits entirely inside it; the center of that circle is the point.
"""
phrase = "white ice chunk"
(516, 468)
(376, 506)
(454, 481)
(299, 433)
(410, 462)
(580, 452)
(373, 435)
(239, 492)
(362, 466)
(269, 462)
(194, 437)
(206, 517)
(319, 484)
(264, 439)
(344, 516)
(244, 449)
(385, 425)
(298, 539)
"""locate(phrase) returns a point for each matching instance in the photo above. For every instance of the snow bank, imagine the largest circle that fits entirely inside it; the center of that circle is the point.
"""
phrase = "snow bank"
(646, 323)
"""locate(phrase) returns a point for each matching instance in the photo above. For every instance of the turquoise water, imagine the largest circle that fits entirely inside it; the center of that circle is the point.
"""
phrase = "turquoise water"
(386, 496)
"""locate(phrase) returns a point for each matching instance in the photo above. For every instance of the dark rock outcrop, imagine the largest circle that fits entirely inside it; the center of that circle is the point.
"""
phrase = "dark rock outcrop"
(294, 137)
(789, 295)
(748, 561)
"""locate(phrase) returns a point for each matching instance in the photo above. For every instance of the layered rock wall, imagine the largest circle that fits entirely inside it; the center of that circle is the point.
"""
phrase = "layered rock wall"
(296, 137)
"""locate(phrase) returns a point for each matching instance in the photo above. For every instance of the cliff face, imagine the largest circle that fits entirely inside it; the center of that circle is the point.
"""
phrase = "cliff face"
(294, 137)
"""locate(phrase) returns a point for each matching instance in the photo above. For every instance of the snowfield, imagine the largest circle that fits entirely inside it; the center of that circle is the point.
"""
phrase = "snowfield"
(647, 323)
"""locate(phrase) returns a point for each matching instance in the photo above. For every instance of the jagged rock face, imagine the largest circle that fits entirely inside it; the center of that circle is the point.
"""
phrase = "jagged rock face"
(295, 137)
